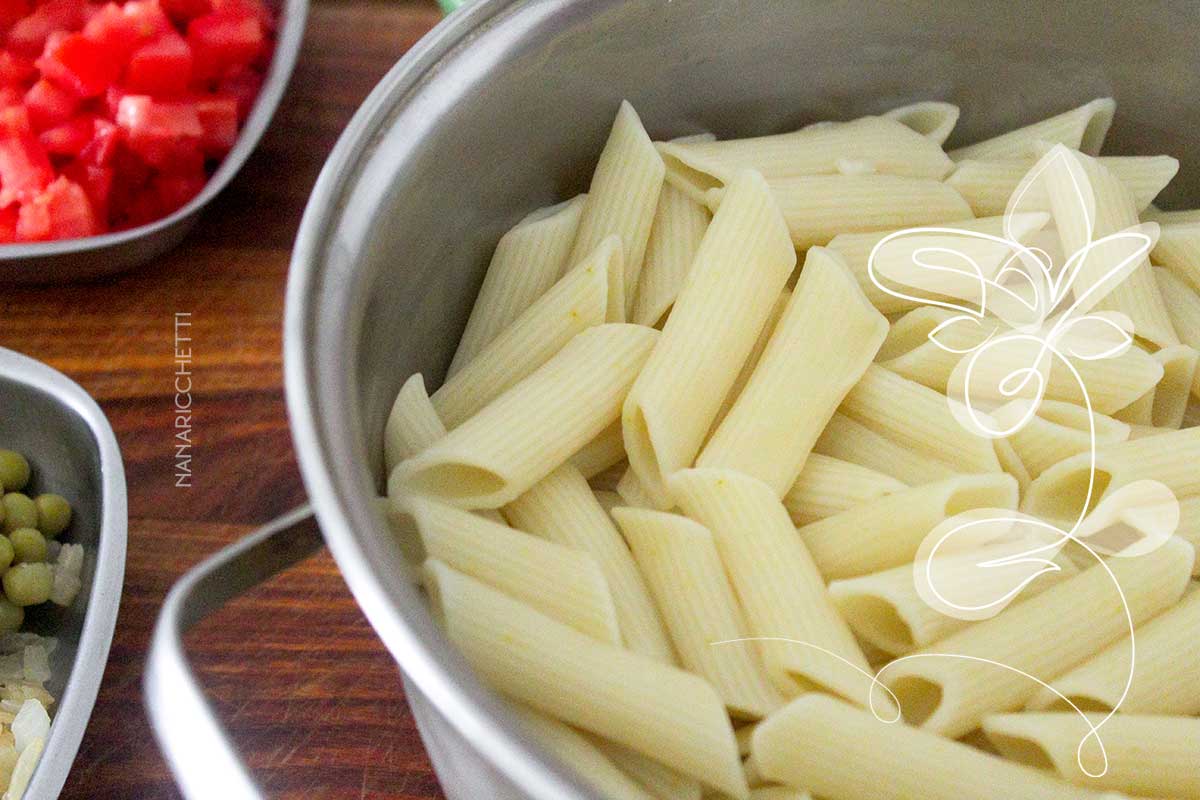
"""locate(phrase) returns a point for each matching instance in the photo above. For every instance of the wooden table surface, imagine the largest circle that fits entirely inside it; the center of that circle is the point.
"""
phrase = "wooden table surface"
(308, 692)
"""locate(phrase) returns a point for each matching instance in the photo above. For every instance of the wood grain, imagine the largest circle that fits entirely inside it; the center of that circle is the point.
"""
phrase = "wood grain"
(308, 692)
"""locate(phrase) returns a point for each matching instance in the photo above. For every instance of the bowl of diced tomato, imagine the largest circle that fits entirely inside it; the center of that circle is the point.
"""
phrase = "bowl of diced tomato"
(121, 119)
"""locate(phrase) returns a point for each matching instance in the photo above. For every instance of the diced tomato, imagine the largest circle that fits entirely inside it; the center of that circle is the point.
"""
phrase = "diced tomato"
(49, 105)
(11, 11)
(162, 133)
(14, 121)
(162, 67)
(25, 169)
(80, 64)
(8, 224)
(62, 211)
(70, 138)
(103, 146)
(184, 10)
(28, 36)
(250, 8)
(14, 70)
(223, 40)
(219, 117)
(243, 85)
(10, 96)
(174, 191)
(96, 181)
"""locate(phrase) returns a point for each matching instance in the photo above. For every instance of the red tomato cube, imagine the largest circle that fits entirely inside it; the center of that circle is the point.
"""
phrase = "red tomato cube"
(25, 168)
(70, 138)
(49, 105)
(103, 146)
(14, 120)
(219, 117)
(184, 10)
(97, 182)
(28, 36)
(11, 11)
(62, 211)
(244, 85)
(162, 67)
(162, 133)
(8, 225)
(224, 40)
(80, 64)
(14, 70)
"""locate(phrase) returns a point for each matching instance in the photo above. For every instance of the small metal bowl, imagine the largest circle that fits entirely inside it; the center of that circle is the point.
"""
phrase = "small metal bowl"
(71, 446)
(93, 256)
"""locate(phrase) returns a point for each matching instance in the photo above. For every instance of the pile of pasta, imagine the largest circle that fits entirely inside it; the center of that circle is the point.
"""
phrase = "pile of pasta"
(668, 497)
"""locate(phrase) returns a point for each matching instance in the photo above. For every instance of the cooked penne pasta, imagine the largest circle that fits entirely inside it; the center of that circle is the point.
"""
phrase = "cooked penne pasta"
(844, 753)
(588, 761)
(1011, 463)
(854, 442)
(1082, 128)
(412, 425)
(930, 118)
(819, 207)
(680, 562)
(949, 687)
(819, 349)
(887, 532)
(988, 185)
(562, 508)
(1166, 678)
(633, 492)
(1178, 249)
(751, 361)
(1061, 492)
(1165, 404)
(621, 201)
(1183, 306)
(708, 334)
(888, 145)
(662, 782)
(577, 302)
(778, 793)
(918, 418)
(896, 260)
(601, 453)
(1060, 430)
(828, 486)
(1111, 383)
(521, 436)
(679, 224)
(807, 643)
(1189, 525)
(660, 711)
(527, 262)
(1152, 756)
(561, 582)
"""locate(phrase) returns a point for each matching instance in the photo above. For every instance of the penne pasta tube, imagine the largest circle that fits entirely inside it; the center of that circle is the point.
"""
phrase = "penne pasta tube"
(1186, 217)
(1183, 306)
(760, 344)
(896, 259)
(521, 436)
(561, 582)
(679, 225)
(1178, 249)
(844, 753)
(621, 201)
(1082, 128)
(1166, 677)
(848, 440)
(633, 492)
(1061, 492)
(932, 119)
(888, 532)
(919, 418)
(1143, 755)
(663, 783)
(562, 508)
(819, 349)
(819, 207)
(949, 687)
(1111, 383)
(660, 711)
(527, 262)
(1136, 295)
(828, 486)
(888, 145)
(884, 608)
(987, 186)
(743, 734)
(778, 793)
(577, 302)
(1165, 404)
(583, 757)
(412, 424)
(1060, 430)
(1189, 524)
(708, 334)
(1011, 463)
(679, 560)
(601, 453)
(608, 500)
(807, 643)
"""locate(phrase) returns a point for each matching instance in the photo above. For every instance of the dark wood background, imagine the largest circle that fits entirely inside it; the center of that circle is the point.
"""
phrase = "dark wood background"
(308, 692)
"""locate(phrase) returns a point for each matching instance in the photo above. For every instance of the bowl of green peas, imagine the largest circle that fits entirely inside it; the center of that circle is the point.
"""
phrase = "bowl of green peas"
(63, 525)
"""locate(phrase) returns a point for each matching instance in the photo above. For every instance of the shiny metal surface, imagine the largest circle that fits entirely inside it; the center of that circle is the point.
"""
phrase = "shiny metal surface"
(74, 259)
(504, 107)
(50, 419)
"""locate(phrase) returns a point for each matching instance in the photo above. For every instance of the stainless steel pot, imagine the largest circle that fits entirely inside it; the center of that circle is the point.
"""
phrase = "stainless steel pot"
(504, 107)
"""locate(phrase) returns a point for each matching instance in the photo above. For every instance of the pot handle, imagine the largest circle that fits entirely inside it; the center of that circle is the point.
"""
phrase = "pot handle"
(204, 761)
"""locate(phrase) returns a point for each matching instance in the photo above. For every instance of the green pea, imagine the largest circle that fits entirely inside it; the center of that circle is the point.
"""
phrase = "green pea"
(11, 616)
(7, 554)
(28, 584)
(19, 512)
(54, 514)
(28, 545)
(14, 470)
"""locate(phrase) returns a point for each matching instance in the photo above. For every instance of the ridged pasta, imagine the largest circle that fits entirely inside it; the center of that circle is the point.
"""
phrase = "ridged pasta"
(1082, 128)
(932, 119)
(849, 440)
(828, 486)
(679, 225)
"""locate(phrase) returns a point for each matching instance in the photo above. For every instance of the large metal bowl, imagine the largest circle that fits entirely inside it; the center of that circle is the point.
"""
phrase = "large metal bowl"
(60, 428)
(503, 108)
